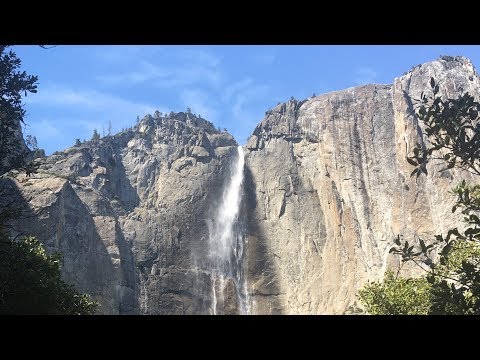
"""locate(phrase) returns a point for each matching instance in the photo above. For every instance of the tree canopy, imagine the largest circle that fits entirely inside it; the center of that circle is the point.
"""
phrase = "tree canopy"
(31, 283)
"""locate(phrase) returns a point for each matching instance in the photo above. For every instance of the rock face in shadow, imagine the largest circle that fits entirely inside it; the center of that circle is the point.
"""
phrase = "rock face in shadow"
(329, 189)
(129, 213)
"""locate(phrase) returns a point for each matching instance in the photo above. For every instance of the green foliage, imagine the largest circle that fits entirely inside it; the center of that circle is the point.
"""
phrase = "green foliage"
(78, 142)
(451, 262)
(30, 282)
(429, 294)
(455, 283)
(451, 126)
(13, 83)
(397, 296)
(30, 279)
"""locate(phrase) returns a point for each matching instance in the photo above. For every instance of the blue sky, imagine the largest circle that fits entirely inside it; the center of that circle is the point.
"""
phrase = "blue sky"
(85, 87)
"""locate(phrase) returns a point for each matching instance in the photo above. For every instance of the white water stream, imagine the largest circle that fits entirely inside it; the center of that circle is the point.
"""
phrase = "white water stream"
(226, 238)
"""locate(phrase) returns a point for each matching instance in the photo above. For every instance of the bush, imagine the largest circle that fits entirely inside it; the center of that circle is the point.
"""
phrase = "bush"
(30, 282)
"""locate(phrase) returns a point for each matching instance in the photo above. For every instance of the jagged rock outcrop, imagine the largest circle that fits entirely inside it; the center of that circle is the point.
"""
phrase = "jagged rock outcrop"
(328, 190)
(129, 213)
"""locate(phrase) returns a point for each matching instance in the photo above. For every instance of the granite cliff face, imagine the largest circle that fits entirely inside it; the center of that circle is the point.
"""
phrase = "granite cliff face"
(128, 213)
(326, 189)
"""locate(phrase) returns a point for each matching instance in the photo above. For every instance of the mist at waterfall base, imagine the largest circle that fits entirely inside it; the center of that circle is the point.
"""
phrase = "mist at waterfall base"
(226, 237)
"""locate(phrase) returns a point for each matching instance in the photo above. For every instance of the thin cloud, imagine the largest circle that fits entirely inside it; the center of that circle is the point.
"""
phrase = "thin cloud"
(78, 112)
(242, 93)
(240, 101)
(199, 103)
(43, 129)
(145, 72)
(265, 58)
(165, 76)
(245, 99)
(122, 54)
(249, 95)
(235, 88)
(198, 56)
(365, 75)
(191, 75)
(87, 99)
(174, 67)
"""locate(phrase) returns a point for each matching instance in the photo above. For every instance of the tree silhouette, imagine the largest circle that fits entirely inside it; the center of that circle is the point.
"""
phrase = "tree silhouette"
(96, 135)
(14, 83)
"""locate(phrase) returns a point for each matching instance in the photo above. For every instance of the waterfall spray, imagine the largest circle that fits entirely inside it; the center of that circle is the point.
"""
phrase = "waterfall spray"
(226, 243)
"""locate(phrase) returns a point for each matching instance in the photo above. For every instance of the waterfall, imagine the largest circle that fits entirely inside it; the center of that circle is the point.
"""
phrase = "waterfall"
(226, 236)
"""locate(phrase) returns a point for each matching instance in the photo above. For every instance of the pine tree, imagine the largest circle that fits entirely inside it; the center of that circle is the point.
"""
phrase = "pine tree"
(96, 135)
(14, 84)
(31, 142)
